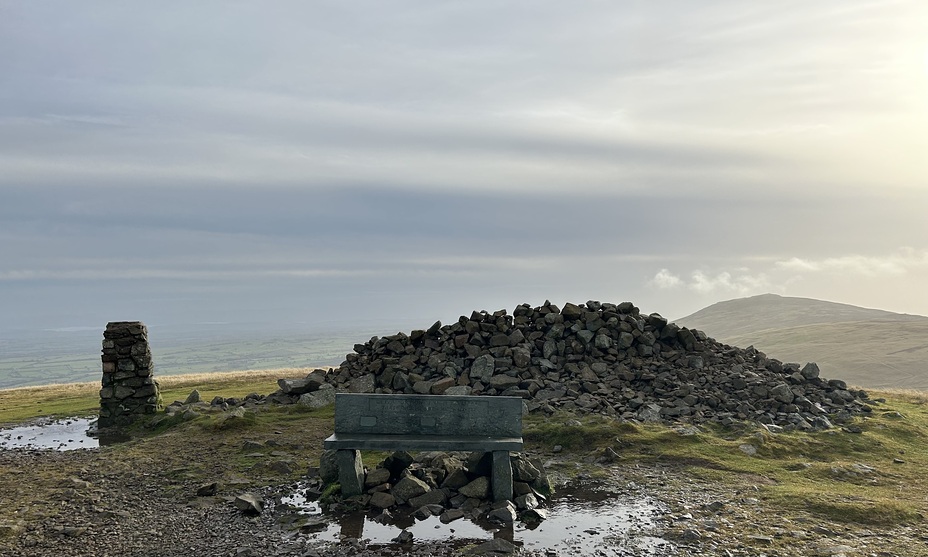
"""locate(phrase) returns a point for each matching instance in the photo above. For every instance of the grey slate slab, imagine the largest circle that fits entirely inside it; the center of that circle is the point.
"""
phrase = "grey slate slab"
(457, 416)
(422, 443)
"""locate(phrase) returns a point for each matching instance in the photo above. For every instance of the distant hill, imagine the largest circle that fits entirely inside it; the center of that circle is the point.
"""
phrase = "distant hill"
(866, 347)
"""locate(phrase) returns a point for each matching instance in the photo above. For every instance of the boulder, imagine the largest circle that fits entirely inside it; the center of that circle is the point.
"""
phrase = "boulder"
(324, 396)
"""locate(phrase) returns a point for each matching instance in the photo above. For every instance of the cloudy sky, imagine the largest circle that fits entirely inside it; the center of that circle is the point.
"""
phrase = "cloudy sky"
(353, 162)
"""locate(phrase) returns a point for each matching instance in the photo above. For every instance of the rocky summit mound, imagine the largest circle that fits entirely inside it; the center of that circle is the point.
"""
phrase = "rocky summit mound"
(593, 358)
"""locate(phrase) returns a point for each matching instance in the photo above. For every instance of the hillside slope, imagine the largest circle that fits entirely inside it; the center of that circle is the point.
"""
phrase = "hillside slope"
(866, 347)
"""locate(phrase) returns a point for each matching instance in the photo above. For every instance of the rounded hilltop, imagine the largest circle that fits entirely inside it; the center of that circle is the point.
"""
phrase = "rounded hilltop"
(602, 358)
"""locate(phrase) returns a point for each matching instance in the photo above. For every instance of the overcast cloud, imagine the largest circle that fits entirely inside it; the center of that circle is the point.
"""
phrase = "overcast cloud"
(320, 162)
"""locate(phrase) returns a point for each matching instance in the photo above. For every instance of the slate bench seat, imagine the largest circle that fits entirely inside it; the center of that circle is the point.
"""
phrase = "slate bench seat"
(392, 422)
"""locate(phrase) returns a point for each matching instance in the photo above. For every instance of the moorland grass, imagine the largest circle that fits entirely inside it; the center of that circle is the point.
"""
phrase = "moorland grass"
(76, 399)
(873, 478)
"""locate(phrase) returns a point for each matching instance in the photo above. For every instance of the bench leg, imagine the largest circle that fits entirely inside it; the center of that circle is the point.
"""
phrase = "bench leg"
(501, 476)
(350, 472)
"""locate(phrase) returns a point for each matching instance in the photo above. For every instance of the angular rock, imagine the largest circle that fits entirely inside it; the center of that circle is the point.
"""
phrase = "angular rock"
(477, 489)
(497, 546)
(397, 462)
(523, 470)
(382, 500)
(409, 487)
(535, 515)
(375, 477)
(433, 497)
(456, 479)
(526, 502)
(364, 384)
(207, 490)
(450, 516)
(810, 370)
(249, 503)
(483, 367)
(442, 385)
(459, 390)
(505, 514)
(324, 396)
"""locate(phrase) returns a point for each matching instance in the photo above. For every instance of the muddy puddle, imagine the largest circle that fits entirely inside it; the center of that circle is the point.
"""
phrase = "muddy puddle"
(66, 434)
(582, 520)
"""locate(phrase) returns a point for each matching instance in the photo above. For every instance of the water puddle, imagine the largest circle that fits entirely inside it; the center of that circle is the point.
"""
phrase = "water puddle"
(582, 520)
(66, 434)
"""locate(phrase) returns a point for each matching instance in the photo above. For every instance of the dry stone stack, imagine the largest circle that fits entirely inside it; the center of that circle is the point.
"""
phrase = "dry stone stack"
(599, 358)
(129, 387)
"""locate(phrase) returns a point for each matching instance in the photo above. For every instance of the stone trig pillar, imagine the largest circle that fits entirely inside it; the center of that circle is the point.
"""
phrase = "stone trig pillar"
(129, 387)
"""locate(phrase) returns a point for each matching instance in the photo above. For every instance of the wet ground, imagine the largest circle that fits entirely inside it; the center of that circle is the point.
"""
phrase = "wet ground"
(66, 434)
(61, 435)
(583, 519)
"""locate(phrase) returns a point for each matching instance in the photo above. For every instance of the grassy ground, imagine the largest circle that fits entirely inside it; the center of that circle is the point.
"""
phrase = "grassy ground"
(77, 399)
(872, 479)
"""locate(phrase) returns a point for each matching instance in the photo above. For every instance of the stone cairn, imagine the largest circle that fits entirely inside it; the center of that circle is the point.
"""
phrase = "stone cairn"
(129, 387)
(594, 358)
(447, 485)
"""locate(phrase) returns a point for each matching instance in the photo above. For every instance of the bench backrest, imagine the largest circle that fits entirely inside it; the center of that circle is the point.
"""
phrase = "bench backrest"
(392, 414)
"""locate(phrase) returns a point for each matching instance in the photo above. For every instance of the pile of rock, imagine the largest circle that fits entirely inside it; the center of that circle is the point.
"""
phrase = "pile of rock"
(313, 391)
(129, 388)
(448, 485)
(596, 358)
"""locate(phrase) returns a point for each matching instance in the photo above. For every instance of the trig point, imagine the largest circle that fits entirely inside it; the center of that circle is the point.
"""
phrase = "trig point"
(129, 387)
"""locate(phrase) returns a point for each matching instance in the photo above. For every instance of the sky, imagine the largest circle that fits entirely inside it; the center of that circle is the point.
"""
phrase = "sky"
(315, 162)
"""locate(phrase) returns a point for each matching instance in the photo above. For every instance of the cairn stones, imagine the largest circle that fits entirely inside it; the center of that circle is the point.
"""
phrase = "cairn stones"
(598, 358)
(129, 389)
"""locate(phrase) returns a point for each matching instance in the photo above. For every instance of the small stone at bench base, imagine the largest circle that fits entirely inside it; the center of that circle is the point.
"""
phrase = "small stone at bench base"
(496, 545)
(505, 514)
(433, 497)
(382, 500)
(409, 488)
(404, 537)
(427, 511)
(451, 515)
(535, 515)
(477, 489)
(376, 477)
(397, 462)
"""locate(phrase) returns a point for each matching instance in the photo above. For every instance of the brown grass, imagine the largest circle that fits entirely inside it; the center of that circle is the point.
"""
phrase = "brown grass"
(912, 396)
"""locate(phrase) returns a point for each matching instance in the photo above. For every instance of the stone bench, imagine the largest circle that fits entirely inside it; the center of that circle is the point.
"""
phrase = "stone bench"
(391, 422)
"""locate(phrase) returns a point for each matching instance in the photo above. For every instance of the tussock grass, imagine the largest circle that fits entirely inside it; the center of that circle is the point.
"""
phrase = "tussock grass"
(912, 396)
